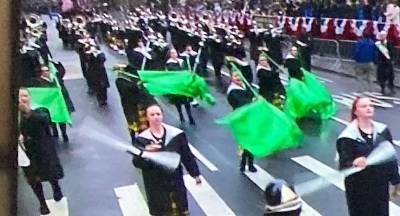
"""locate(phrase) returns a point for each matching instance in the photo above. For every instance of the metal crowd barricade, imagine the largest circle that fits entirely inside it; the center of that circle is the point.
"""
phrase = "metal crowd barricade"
(346, 48)
(325, 48)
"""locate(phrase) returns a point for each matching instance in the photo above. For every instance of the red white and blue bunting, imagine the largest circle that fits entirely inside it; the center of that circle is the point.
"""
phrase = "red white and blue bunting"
(341, 29)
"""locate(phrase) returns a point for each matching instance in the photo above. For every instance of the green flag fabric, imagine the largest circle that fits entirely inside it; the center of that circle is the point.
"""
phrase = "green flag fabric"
(53, 100)
(261, 128)
(183, 83)
(326, 106)
(309, 96)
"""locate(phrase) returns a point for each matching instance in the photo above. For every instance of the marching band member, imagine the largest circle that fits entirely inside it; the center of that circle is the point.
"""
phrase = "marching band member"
(166, 192)
(385, 59)
(293, 64)
(367, 192)
(270, 84)
(239, 95)
(175, 64)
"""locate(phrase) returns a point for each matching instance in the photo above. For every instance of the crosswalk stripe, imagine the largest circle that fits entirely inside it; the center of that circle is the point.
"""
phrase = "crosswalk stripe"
(202, 159)
(58, 208)
(206, 197)
(261, 178)
(131, 201)
(323, 170)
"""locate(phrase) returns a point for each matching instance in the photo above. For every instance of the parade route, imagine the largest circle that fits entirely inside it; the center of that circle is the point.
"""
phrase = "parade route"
(102, 181)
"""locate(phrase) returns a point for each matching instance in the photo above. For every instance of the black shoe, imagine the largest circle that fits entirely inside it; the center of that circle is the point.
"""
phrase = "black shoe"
(103, 103)
(191, 121)
(44, 210)
(57, 195)
(242, 165)
(252, 169)
(392, 92)
(65, 137)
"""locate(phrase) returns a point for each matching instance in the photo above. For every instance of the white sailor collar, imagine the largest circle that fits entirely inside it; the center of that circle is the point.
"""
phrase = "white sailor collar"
(234, 86)
(170, 133)
(289, 56)
(178, 60)
(143, 51)
(192, 53)
(353, 132)
(260, 67)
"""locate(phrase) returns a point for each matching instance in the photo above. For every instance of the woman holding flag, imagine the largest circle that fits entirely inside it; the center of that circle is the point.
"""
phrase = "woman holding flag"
(42, 163)
(239, 95)
(176, 64)
(270, 84)
(293, 64)
(165, 191)
(367, 192)
(306, 95)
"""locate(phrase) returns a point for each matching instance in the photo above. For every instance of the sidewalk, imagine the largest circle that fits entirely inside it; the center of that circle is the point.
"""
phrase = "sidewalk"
(343, 67)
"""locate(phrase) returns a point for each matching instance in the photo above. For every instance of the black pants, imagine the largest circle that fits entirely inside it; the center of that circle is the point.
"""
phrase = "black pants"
(246, 155)
(38, 190)
(188, 111)
(386, 76)
(217, 68)
(63, 128)
(101, 95)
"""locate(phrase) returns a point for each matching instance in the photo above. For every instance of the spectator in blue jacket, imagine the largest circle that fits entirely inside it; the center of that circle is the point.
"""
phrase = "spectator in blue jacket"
(364, 54)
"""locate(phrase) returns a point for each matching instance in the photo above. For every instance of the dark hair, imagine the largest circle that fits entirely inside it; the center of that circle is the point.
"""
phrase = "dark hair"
(169, 51)
(153, 104)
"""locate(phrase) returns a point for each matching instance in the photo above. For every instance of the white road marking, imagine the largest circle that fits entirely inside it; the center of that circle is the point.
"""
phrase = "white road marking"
(203, 159)
(206, 197)
(261, 178)
(131, 201)
(323, 170)
(58, 208)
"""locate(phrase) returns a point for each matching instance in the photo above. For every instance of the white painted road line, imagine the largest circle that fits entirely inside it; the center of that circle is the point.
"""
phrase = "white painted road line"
(261, 178)
(206, 197)
(131, 201)
(340, 120)
(203, 159)
(58, 208)
(323, 170)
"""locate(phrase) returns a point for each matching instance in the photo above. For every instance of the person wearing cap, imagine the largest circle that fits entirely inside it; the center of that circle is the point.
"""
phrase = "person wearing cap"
(239, 95)
(217, 54)
(281, 199)
(272, 39)
(255, 36)
(305, 44)
(385, 60)
(97, 74)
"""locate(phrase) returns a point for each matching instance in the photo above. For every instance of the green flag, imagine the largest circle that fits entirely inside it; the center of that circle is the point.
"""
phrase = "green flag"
(262, 129)
(53, 100)
(308, 96)
(326, 106)
(177, 83)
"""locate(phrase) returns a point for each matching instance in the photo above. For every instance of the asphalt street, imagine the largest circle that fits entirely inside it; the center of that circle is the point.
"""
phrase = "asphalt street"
(94, 170)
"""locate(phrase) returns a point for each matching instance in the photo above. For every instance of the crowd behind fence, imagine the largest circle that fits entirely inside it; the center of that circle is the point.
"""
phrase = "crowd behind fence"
(342, 50)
